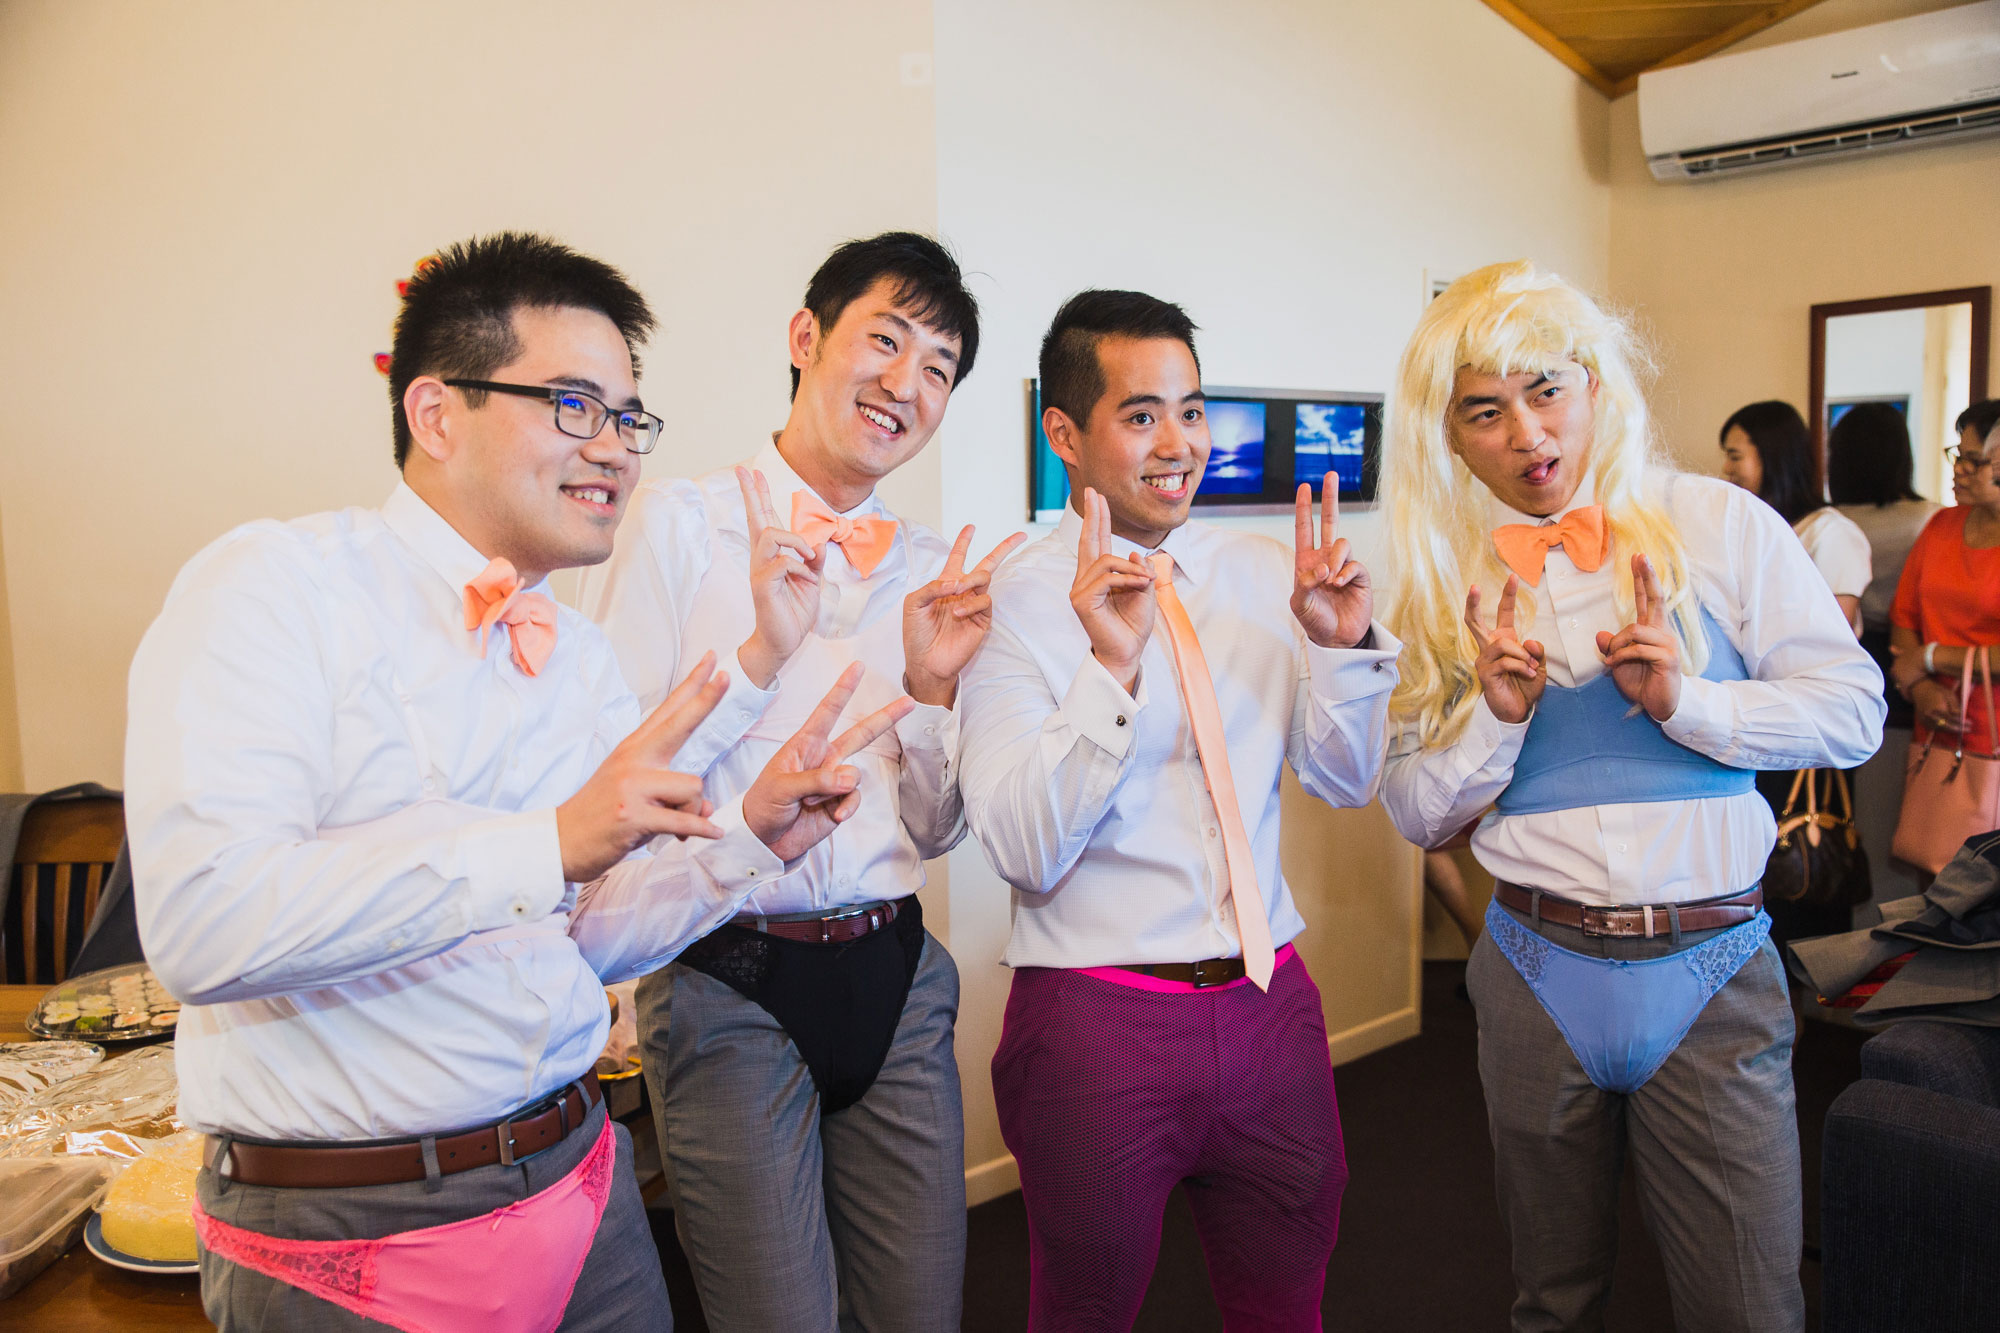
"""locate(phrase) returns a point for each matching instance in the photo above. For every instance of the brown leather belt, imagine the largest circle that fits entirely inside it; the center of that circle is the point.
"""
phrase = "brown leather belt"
(1636, 922)
(834, 928)
(336, 1165)
(1206, 973)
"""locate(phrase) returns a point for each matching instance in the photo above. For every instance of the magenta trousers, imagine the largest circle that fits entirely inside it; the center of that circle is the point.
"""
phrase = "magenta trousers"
(1110, 1095)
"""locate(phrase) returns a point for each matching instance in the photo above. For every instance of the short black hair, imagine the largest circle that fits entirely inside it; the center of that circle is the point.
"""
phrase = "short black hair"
(1981, 416)
(929, 286)
(1868, 459)
(458, 310)
(1072, 376)
(1791, 480)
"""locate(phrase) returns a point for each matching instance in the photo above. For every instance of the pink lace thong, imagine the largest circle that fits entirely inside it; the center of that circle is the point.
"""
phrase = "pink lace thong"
(507, 1271)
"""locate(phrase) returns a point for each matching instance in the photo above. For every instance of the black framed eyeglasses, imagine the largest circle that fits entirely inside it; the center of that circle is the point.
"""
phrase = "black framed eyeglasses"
(582, 415)
(1955, 456)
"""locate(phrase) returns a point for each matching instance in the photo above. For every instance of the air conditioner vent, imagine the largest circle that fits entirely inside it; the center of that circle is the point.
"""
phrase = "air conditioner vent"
(1899, 132)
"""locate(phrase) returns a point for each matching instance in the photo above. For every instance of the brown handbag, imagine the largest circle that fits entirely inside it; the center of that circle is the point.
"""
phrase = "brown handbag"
(1818, 859)
(1946, 803)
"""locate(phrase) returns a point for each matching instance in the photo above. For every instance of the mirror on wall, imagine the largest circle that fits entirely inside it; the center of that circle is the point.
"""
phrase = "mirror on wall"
(1925, 354)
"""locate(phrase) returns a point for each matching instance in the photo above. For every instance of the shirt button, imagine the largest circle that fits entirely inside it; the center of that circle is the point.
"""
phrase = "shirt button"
(930, 731)
(1121, 719)
(430, 786)
(750, 874)
(1212, 833)
(520, 909)
(1623, 848)
(1572, 624)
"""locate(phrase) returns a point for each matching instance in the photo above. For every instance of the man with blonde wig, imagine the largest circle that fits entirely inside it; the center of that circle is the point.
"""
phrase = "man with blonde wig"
(1652, 640)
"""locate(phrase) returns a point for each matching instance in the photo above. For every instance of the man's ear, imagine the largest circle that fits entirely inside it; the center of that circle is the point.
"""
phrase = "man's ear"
(1063, 435)
(427, 409)
(803, 338)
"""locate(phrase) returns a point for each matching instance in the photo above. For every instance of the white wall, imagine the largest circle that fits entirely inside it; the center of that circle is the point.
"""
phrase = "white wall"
(208, 205)
(1287, 171)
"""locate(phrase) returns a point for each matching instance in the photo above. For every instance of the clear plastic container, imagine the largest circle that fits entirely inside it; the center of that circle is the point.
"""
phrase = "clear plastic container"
(44, 1203)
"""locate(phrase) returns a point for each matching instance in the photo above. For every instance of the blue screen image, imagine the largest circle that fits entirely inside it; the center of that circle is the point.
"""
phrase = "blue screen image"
(1236, 448)
(1330, 438)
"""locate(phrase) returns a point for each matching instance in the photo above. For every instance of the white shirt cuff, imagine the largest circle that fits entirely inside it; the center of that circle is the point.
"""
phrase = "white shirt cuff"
(513, 867)
(1486, 736)
(1702, 719)
(1354, 673)
(930, 727)
(1098, 708)
(738, 861)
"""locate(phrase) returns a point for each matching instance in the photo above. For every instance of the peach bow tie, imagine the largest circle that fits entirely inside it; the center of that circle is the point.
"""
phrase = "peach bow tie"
(495, 598)
(1525, 546)
(864, 541)
(1253, 925)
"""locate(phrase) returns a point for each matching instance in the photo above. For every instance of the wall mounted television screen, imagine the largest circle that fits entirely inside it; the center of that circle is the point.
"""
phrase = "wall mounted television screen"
(1263, 443)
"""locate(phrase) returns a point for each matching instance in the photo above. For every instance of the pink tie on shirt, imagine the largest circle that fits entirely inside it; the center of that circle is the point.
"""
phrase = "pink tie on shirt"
(495, 598)
(1253, 926)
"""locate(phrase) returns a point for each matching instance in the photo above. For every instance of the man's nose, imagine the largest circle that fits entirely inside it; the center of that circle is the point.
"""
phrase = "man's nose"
(607, 447)
(899, 378)
(1525, 428)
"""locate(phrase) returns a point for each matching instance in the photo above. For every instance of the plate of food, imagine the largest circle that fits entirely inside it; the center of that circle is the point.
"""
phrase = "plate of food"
(145, 1222)
(93, 1240)
(125, 1003)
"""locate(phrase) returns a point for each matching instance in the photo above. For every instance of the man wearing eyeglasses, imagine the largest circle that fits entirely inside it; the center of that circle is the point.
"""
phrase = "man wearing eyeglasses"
(391, 809)
(800, 1058)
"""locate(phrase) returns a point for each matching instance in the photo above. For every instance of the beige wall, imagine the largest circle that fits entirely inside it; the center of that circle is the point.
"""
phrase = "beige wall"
(208, 205)
(1288, 171)
(1725, 272)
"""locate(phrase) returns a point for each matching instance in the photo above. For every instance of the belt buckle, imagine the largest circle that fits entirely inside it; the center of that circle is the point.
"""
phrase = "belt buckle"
(506, 1132)
(1202, 979)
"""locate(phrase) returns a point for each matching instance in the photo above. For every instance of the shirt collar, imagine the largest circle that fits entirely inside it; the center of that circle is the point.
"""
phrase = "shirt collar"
(1184, 544)
(433, 538)
(783, 482)
(1502, 514)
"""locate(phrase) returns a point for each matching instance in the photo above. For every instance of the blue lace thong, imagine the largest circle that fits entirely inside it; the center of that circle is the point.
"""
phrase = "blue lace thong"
(1624, 1017)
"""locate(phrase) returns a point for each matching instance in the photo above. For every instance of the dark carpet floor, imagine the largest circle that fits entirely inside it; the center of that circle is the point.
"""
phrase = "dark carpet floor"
(1421, 1247)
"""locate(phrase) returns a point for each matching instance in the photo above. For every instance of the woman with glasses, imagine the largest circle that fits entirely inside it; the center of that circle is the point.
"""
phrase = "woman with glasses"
(1949, 596)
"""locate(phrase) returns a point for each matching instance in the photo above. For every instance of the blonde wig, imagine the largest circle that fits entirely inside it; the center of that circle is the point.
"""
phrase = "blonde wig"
(1507, 319)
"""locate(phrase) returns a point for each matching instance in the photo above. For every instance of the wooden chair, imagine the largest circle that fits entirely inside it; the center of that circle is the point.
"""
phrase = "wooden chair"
(65, 853)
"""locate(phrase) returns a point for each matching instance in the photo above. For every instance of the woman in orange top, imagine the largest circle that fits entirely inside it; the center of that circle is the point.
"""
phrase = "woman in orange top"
(1949, 595)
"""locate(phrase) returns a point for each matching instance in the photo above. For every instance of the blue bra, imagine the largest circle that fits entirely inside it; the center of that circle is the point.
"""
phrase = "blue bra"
(1586, 745)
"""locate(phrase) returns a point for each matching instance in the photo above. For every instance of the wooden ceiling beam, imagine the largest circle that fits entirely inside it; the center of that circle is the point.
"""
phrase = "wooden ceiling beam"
(1728, 37)
(1554, 45)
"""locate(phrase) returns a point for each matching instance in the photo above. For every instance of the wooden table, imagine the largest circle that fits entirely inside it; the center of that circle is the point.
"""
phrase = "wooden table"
(80, 1291)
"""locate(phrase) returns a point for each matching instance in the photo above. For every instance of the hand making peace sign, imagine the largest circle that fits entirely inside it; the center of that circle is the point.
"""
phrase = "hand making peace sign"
(946, 620)
(1330, 593)
(807, 787)
(1112, 595)
(1512, 674)
(633, 796)
(1645, 657)
(784, 583)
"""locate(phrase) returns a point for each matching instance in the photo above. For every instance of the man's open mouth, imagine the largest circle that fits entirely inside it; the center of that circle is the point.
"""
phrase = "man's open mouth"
(1171, 485)
(881, 420)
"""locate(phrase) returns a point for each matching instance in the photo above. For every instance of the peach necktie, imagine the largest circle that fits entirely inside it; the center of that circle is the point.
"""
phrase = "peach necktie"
(495, 598)
(1525, 546)
(864, 541)
(1253, 924)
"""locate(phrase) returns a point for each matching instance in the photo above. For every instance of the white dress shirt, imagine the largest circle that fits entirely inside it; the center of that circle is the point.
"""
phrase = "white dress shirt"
(678, 584)
(1813, 699)
(344, 842)
(1091, 801)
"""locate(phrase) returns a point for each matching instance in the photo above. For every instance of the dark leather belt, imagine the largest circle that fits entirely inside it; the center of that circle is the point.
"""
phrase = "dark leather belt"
(1206, 973)
(337, 1165)
(840, 927)
(1636, 922)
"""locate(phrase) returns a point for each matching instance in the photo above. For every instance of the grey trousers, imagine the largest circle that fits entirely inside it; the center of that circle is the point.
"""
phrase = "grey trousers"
(1713, 1136)
(797, 1222)
(621, 1285)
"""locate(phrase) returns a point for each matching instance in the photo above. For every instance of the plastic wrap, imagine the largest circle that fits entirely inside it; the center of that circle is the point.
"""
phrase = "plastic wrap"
(113, 1110)
(30, 1068)
(43, 1208)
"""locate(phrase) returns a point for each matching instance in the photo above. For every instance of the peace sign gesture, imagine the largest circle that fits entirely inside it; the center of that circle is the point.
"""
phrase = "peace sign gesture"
(945, 621)
(1512, 674)
(807, 788)
(1112, 595)
(1330, 593)
(632, 797)
(784, 584)
(1645, 657)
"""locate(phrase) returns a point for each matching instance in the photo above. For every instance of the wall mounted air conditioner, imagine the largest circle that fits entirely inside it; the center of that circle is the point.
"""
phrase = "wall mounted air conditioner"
(1934, 78)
